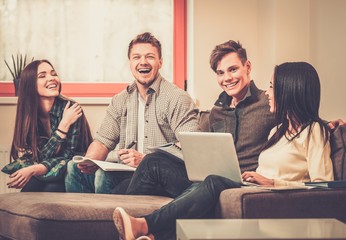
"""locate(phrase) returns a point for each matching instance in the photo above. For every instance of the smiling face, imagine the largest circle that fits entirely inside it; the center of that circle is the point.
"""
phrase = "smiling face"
(145, 63)
(270, 95)
(233, 76)
(48, 82)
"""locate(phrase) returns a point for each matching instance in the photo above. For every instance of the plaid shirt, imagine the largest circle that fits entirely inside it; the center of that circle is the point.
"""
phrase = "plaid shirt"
(168, 111)
(53, 149)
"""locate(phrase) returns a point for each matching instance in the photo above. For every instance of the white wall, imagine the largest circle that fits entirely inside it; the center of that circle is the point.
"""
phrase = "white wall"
(272, 31)
(328, 51)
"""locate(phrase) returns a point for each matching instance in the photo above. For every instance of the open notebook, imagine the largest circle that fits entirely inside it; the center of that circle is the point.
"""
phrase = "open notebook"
(208, 153)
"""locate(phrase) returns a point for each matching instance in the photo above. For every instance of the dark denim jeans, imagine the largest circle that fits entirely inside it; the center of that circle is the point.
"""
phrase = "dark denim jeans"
(159, 174)
(198, 201)
(36, 185)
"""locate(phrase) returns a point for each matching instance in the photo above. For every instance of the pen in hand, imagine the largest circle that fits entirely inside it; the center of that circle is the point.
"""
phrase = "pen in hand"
(128, 147)
(131, 144)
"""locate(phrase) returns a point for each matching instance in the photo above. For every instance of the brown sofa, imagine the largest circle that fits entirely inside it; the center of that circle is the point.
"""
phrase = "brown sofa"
(67, 216)
(75, 216)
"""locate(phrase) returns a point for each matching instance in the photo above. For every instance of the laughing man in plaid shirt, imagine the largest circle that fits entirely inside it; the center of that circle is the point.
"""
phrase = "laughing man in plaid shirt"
(149, 112)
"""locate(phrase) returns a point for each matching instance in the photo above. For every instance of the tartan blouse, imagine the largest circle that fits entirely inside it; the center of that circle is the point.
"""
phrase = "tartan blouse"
(53, 149)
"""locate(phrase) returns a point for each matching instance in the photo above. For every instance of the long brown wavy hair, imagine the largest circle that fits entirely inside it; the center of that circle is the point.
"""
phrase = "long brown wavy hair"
(25, 137)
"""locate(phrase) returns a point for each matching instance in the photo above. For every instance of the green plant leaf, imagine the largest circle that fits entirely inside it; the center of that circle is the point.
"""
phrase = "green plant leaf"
(9, 69)
(17, 70)
(19, 63)
(14, 67)
(24, 61)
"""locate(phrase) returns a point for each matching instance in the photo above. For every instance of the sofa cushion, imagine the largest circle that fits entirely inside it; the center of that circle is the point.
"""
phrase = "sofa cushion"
(338, 152)
(68, 215)
(253, 202)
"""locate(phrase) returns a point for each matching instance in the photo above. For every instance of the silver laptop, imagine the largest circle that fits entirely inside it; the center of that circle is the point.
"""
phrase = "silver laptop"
(208, 153)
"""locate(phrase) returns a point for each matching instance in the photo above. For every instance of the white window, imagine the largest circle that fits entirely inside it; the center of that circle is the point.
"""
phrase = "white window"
(85, 40)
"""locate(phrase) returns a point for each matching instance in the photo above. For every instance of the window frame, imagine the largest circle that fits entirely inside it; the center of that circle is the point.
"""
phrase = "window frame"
(109, 89)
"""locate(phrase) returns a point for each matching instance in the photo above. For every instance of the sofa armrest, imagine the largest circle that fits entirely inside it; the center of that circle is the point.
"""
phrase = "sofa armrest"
(259, 203)
(68, 216)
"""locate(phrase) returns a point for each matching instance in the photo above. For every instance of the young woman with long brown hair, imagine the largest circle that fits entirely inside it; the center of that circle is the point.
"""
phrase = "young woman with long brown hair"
(49, 130)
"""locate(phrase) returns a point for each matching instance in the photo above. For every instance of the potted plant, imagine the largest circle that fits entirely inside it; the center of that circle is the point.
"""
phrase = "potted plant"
(18, 65)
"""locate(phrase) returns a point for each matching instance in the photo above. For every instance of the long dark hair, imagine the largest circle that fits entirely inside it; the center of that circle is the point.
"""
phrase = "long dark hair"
(297, 93)
(25, 137)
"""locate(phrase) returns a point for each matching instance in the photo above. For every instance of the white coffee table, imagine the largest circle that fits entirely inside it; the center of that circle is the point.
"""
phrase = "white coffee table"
(260, 229)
